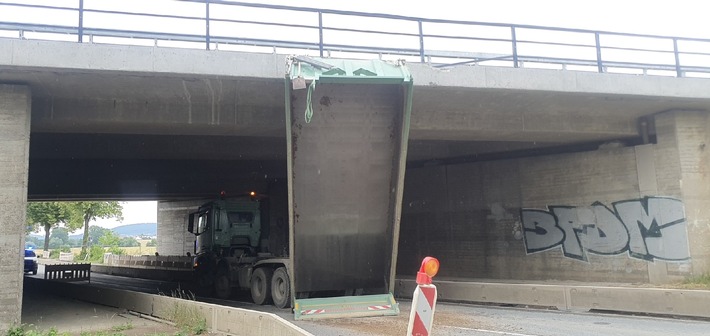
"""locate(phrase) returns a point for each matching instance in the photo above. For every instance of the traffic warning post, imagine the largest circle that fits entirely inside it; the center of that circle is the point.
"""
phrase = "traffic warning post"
(421, 317)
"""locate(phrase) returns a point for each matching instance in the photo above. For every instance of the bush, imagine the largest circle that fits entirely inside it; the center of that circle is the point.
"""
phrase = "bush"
(189, 319)
(55, 243)
(702, 280)
(54, 254)
(30, 330)
(115, 250)
(128, 242)
(95, 255)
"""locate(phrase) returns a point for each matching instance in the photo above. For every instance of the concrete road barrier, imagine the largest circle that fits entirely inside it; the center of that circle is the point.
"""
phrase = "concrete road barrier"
(177, 275)
(229, 320)
(576, 298)
(66, 256)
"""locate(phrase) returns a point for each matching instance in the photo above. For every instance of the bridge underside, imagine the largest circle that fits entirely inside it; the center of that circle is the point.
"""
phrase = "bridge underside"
(137, 136)
(512, 173)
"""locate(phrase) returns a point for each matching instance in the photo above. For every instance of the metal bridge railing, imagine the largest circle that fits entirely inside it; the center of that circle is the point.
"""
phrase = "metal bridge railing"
(230, 25)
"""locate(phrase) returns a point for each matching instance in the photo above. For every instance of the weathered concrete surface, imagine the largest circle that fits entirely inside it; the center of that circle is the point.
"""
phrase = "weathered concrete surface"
(469, 215)
(14, 158)
(165, 268)
(124, 90)
(234, 321)
(615, 214)
(173, 238)
(570, 297)
(145, 90)
(44, 310)
(145, 272)
(684, 163)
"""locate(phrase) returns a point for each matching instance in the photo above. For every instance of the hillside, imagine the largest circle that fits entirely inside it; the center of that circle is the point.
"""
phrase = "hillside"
(139, 229)
(129, 230)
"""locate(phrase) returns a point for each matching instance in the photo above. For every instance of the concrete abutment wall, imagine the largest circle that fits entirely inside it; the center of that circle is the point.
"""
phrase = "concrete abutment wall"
(173, 238)
(618, 214)
(688, 135)
(482, 216)
(14, 154)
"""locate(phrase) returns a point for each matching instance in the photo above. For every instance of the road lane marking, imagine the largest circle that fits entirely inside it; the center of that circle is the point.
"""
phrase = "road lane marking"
(492, 331)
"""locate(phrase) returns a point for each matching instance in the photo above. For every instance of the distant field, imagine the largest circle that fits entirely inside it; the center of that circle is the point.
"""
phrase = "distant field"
(138, 250)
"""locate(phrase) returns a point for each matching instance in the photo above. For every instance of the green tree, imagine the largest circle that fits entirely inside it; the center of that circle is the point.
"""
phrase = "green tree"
(152, 242)
(60, 233)
(48, 215)
(90, 211)
(109, 239)
(95, 232)
(128, 242)
(74, 242)
(31, 241)
(55, 243)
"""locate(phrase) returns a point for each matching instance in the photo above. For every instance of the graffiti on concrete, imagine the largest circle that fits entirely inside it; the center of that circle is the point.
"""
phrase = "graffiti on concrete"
(650, 228)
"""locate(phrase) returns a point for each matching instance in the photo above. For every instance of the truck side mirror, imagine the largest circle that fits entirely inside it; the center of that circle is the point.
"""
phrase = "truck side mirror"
(191, 223)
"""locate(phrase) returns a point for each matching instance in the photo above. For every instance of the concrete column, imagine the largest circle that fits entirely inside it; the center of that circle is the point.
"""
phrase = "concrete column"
(648, 186)
(14, 158)
(173, 238)
(682, 166)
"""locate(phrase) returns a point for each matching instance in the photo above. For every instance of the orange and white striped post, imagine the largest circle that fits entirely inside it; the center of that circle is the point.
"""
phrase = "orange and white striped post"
(424, 299)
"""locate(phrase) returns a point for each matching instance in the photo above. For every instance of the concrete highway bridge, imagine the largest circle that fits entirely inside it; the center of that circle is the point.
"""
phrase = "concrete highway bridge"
(512, 172)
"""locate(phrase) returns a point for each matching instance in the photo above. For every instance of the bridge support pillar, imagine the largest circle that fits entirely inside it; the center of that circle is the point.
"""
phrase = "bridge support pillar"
(173, 238)
(14, 155)
(683, 170)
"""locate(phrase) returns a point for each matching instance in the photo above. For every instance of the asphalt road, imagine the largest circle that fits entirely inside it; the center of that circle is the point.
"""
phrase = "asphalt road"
(453, 319)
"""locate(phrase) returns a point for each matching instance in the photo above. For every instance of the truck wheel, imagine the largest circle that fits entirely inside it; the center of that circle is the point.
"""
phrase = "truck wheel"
(261, 285)
(281, 288)
(222, 287)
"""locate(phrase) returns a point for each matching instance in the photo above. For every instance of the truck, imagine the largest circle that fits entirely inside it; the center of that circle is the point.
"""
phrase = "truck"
(341, 194)
(231, 251)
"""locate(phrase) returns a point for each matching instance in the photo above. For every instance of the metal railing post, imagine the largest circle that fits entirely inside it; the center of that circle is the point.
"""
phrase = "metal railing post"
(421, 42)
(678, 70)
(81, 21)
(207, 24)
(515, 46)
(600, 64)
(320, 33)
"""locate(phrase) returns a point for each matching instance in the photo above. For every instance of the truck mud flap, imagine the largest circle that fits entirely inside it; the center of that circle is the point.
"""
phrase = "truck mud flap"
(346, 306)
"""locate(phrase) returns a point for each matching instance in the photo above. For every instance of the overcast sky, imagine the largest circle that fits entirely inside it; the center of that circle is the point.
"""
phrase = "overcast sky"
(680, 17)
(133, 212)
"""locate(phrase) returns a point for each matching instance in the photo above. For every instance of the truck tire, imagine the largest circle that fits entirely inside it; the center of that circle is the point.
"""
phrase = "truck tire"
(222, 287)
(281, 288)
(261, 285)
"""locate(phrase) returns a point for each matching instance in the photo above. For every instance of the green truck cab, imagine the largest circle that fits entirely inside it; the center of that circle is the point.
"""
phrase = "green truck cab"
(231, 252)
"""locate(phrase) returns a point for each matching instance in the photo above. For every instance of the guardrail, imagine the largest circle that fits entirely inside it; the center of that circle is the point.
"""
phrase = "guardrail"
(68, 272)
(218, 24)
